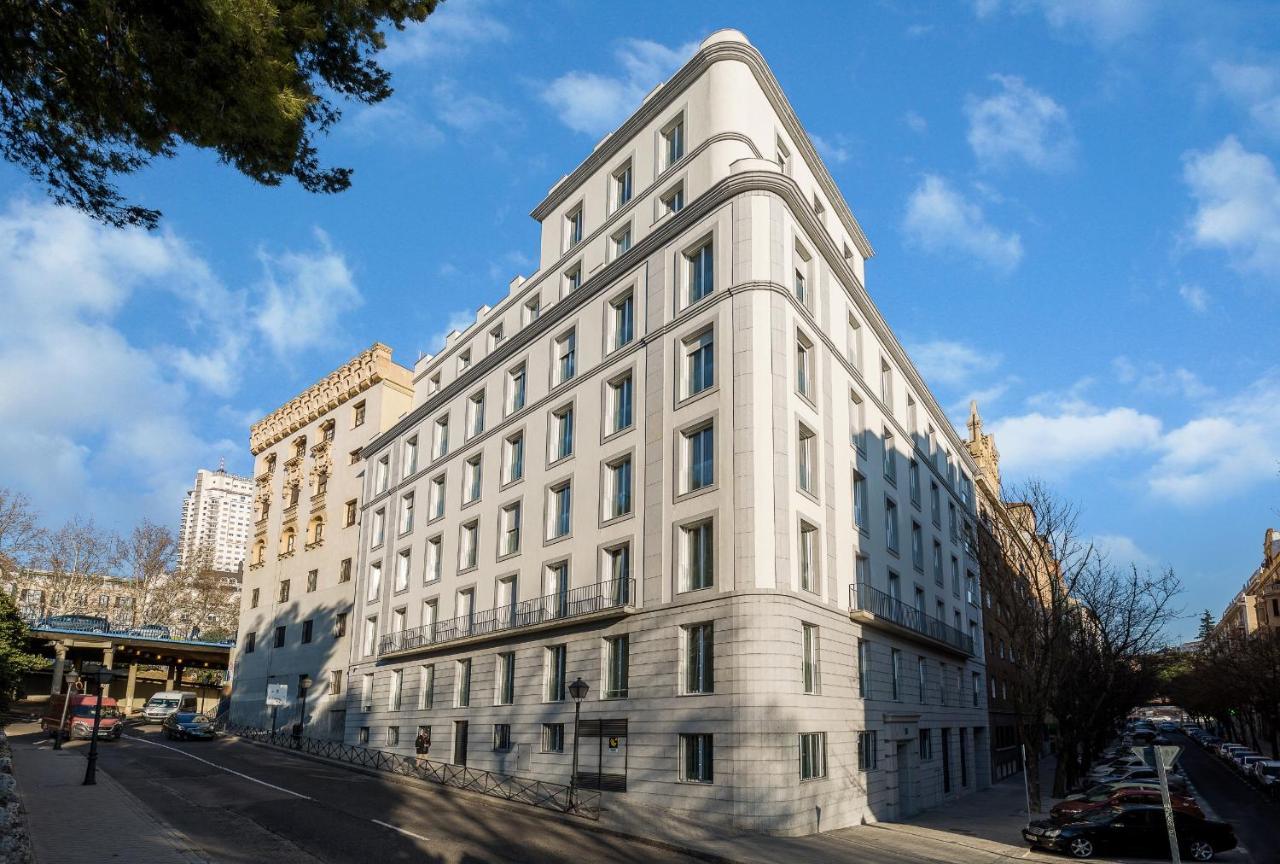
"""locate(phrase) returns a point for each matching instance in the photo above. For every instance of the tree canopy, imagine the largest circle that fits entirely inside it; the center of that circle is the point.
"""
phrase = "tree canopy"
(93, 89)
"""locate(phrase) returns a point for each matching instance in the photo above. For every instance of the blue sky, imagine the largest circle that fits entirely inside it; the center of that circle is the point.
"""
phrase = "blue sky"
(1075, 207)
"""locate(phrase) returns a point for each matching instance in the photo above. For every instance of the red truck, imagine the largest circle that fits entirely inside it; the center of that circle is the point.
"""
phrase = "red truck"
(79, 716)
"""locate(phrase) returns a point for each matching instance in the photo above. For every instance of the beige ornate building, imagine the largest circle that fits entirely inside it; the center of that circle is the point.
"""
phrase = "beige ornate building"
(688, 462)
(297, 590)
(1257, 605)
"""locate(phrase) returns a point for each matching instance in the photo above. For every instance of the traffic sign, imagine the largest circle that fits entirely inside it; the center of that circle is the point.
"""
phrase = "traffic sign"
(1168, 754)
(277, 695)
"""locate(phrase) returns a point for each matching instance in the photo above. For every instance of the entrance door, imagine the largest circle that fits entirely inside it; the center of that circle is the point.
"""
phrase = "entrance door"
(946, 760)
(460, 742)
(603, 755)
(906, 798)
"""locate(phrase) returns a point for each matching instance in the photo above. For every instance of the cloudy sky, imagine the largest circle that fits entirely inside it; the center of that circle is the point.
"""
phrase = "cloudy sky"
(1075, 206)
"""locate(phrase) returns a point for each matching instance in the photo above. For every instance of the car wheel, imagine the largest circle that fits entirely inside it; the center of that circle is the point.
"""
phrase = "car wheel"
(1200, 850)
(1080, 847)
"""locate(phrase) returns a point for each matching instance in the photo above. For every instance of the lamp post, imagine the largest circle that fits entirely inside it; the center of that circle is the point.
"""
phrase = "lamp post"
(71, 678)
(102, 677)
(578, 690)
(304, 685)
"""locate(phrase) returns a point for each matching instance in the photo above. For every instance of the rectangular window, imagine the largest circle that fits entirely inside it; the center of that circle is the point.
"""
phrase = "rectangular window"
(406, 513)
(339, 625)
(808, 557)
(496, 335)
(501, 736)
(935, 506)
(620, 403)
(562, 433)
(860, 503)
(370, 635)
(410, 460)
(866, 751)
(440, 438)
(349, 514)
(475, 415)
(366, 692)
(510, 529)
(376, 534)
(913, 481)
(426, 686)
(864, 681)
(698, 555)
(886, 385)
(250, 642)
(393, 695)
(506, 679)
(891, 524)
(699, 457)
(566, 353)
(552, 737)
(513, 458)
(813, 755)
(890, 458)
(955, 576)
(699, 272)
(556, 589)
(926, 745)
(699, 363)
(917, 546)
(554, 688)
(284, 591)
(804, 367)
(435, 502)
(618, 572)
(699, 656)
(857, 423)
(622, 319)
(853, 350)
(253, 599)
(617, 662)
(622, 241)
(895, 660)
(435, 560)
(622, 181)
(560, 511)
(517, 388)
(673, 142)
(381, 472)
(532, 309)
(619, 486)
(469, 547)
(462, 683)
(402, 571)
(573, 227)
(937, 563)
(335, 682)
(921, 674)
(783, 157)
(471, 479)
(672, 200)
(806, 460)
(695, 758)
(464, 361)
(573, 279)
(357, 414)
(375, 582)
(809, 663)
(344, 570)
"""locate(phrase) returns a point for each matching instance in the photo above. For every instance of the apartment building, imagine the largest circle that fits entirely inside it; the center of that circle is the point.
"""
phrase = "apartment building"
(1256, 605)
(298, 586)
(216, 515)
(688, 463)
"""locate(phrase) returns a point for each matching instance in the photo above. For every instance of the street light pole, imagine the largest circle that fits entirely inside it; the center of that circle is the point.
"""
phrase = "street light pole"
(578, 690)
(71, 678)
(102, 676)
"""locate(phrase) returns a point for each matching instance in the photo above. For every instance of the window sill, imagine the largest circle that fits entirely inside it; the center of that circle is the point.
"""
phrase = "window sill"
(510, 483)
(551, 541)
(559, 460)
(507, 556)
(694, 397)
(471, 503)
(702, 490)
(614, 520)
(618, 433)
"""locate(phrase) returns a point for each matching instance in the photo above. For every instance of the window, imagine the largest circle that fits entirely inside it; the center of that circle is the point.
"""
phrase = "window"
(406, 513)
(554, 690)
(357, 415)
(433, 383)
(864, 679)
(561, 511)
(937, 563)
(393, 696)
(501, 736)
(429, 617)
(552, 737)
(472, 473)
(618, 478)
(349, 514)
(935, 507)
(440, 438)
(426, 686)
(622, 181)
(857, 423)
(435, 560)
(573, 227)
(926, 745)
(622, 318)
(917, 546)
(955, 576)
(344, 570)
(672, 200)
(804, 367)
(913, 481)
(921, 675)
(621, 241)
(806, 459)
(378, 532)
(340, 625)
(886, 385)
(464, 361)
(469, 546)
(362, 736)
(971, 587)
(475, 414)
(699, 272)
(620, 401)
(506, 679)
(375, 582)
(556, 589)
(381, 472)
(673, 142)
(695, 758)
(853, 350)
(783, 157)
(253, 599)
(866, 751)
(617, 652)
(890, 458)
(366, 692)
(370, 635)
(335, 682)
(813, 755)
(435, 497)
(808, 557)
(284, 591)
(800, 281)
(517, 388)
(698, 557)
(496, 335)
(913, 417)
(513, 458)
(402, 571)
(809, 662)
(462, 684)
(860, 502)
(891, 524)
(572, 279)
(699, 658)
(951, 521)
(509, 528)
(699, 363)
(393, 736)
(617, 562)
(895, 586)
(410, 460)
(566, 352)
(977, 689)
(250, 639)
(895, 662)
(699, 458)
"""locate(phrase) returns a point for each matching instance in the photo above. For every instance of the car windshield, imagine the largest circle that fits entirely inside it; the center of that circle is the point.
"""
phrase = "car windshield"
(1106, 814)
(1271, 770)
(162, 703)
(108, 713)
(189, 717)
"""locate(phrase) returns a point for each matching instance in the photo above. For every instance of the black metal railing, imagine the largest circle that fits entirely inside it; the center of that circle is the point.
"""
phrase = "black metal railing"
(37, 618)
(613, 594)
(881, 605)
(536, 793)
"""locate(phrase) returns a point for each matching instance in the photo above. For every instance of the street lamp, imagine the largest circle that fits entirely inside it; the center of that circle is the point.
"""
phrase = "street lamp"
(304, 685)
(71, 678)
(578, 690)
(102, 676)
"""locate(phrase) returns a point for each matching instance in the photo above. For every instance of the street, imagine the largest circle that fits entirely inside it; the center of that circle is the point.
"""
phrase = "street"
(238, 802)
(1255, 819)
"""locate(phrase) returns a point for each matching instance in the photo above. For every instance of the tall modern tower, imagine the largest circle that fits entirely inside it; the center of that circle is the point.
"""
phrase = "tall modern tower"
(217, 511)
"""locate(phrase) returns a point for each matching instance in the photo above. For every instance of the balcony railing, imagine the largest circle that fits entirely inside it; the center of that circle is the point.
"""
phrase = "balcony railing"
(615, 594)
(886, 607)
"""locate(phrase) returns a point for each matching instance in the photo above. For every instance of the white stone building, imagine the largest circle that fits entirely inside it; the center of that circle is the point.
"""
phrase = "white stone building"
(217, 512)
(688, 462)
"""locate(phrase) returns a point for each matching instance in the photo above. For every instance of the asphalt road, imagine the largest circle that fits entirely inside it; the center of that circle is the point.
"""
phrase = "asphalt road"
(1255, 819)
(238, 802)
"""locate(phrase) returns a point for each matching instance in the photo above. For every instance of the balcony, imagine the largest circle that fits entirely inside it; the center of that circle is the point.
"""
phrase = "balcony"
(878, 609)
(592, 602)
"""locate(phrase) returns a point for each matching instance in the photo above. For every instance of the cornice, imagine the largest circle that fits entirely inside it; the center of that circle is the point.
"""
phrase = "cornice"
(670, 91)
(352, 378)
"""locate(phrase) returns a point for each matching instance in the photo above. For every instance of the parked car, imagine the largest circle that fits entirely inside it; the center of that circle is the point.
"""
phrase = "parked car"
(1209, 742)
(1176, 781)
(151, 631)
(1244, 762)
(1142, 736)
(78, 722)
(1228, 751)
(1074, 808)
(1115, 765)
(1133, 829)
(1177, 786)
(1168, 726)
(185, 724)
(79, 623)
(1266, 773)
(161, 705)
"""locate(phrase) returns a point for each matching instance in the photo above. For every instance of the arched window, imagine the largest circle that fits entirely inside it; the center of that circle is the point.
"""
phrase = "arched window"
(287, 541)
(316, 530)
(259, 551)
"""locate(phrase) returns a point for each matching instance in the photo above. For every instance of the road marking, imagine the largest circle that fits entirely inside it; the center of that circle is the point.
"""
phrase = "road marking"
(221, 767)
(400, 830)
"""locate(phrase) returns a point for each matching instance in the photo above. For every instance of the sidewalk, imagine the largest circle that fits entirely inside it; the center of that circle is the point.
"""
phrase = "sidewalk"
(72, 822)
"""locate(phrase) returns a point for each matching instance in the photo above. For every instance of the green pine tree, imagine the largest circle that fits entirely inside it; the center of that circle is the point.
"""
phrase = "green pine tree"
(14, 659)
(1207, 624)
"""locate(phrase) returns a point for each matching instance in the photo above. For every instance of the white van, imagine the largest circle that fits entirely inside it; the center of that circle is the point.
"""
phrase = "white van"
(161, 705)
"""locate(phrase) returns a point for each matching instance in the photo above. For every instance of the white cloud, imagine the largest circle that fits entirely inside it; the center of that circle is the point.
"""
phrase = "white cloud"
(1256, 89)
(950, 363)
(1019, 123)
(305, 296)
(834, 150)
(1122, 551)
(1237, 195)
(916, 122)
(467, 111)
(1195, 297)
(941, 219)
(389, 122)
(454, 30)
(1075, 435)
(592, 103)
(1105, 21)
(1152, 377)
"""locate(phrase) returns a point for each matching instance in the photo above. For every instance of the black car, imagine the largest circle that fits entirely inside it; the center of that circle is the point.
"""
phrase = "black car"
(188, 724)
(1131, 830)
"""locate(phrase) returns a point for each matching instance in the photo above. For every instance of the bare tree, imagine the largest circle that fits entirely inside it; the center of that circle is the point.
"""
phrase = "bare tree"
(20, 533)
(74, 559)
(208, 601)
(147, 558)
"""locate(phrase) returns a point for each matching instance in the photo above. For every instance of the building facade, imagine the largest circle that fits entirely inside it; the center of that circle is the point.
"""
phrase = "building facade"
(687, 462)
(216, 515)
(298, 585)
(1257, 605)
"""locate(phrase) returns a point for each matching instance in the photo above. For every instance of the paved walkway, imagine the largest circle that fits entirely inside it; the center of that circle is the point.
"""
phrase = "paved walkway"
(71, 822)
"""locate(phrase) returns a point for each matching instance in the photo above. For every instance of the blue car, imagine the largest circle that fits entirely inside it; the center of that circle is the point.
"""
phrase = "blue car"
(184, 725)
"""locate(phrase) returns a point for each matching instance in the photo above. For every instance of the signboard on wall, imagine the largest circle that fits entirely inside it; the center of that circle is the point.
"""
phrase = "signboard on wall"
(277, 695)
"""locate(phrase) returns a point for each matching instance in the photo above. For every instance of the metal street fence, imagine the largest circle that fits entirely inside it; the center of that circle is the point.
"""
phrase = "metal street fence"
(537, 793)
